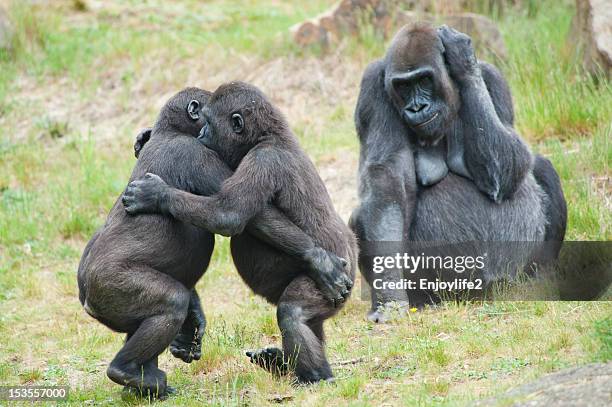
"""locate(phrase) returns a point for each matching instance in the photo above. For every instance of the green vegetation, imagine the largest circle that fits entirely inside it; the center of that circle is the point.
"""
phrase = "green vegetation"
(79, 84)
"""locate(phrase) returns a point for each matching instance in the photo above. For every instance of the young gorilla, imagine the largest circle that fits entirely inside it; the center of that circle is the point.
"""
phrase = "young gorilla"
(137, 274)
(253, 137)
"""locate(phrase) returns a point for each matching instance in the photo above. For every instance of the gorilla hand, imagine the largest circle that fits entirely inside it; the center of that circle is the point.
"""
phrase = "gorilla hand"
(459, 54)
(187, 344)
(329, 273)
(146, 195)
(141, 140)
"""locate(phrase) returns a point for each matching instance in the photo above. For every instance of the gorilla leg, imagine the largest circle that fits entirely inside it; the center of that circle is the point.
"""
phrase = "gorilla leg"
(300, 313)
(187, 345)
(301, 308)
(151, 307)
(150, 365)
(510, 233)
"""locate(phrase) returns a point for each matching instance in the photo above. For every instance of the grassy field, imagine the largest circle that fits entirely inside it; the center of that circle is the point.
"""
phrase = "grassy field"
(79, 84)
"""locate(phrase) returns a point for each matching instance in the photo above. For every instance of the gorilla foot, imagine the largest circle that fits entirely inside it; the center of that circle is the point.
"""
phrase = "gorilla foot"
(311, 376)
(187, 347)
(133, 392)
(270, 359)
(389, 311)
(146, 383)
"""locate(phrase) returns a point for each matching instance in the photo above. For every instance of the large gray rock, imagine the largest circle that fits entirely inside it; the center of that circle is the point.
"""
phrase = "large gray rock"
(386, 17)
(6, 31)
(589, 385)
(591, 34)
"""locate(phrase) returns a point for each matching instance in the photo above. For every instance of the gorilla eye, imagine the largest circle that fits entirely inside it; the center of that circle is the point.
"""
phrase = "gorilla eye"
(193, 110)
(426, 82)
(237, 123)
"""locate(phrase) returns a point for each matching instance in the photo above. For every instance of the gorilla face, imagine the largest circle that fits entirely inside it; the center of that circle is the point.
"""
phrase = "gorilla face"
(418, 83)
(236, 118)
(221, 133)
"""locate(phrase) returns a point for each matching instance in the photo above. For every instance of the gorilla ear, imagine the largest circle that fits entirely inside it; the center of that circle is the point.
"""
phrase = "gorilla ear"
(193, 110)
(237, 123)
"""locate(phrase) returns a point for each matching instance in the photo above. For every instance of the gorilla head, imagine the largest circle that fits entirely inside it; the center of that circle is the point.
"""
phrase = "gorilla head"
(183, 112)
(418, 83)
(237, 117)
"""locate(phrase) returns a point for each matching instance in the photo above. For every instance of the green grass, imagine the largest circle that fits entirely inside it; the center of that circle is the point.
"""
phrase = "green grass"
(77, 87)
(552, 96)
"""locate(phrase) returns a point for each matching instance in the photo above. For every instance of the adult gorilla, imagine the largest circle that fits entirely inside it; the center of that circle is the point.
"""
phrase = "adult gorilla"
(430, 96)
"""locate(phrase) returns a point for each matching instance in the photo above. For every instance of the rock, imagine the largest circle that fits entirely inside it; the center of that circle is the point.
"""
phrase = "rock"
(488, 7)
(591, 34)
(589, 385)
(386, 18)
(6, 31)
(310, 33)
(345, 18)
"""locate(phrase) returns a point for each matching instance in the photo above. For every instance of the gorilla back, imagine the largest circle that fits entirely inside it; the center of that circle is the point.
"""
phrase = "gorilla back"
(169, 246)
(136, 273)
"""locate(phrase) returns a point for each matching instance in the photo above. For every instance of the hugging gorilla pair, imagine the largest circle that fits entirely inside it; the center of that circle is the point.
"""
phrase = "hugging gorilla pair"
(229, 164)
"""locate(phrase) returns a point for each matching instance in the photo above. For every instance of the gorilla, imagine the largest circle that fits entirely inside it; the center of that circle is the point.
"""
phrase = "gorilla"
(427, 107)
(137, 274)
(253, 138)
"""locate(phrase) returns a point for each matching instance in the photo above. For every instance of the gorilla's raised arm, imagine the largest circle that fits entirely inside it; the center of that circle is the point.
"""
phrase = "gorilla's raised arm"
(494, 155)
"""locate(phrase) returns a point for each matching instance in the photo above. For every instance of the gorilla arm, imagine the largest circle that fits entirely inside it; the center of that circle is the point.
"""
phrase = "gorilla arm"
(387, 188)
(493, 154)
(270, 225)
(242, 195)
(241, 202)
(386, 165)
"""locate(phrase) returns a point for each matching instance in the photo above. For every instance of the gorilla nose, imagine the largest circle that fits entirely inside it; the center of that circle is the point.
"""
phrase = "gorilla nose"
(417, 107)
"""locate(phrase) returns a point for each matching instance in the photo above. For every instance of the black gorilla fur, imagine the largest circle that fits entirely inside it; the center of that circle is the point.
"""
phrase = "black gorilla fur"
(254, 139)
(429, 106)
